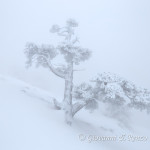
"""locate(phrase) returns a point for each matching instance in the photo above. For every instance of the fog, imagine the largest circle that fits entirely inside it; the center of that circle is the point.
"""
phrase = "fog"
(117, 32)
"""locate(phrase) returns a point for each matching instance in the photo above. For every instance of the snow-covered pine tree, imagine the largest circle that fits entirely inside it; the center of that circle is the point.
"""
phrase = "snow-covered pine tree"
(73, 54)
(106, 87)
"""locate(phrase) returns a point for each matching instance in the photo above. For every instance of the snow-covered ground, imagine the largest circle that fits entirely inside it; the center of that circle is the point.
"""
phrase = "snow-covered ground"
(28, 121)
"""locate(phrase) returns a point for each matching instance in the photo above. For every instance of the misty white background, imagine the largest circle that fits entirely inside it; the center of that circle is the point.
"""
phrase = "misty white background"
(116, 31)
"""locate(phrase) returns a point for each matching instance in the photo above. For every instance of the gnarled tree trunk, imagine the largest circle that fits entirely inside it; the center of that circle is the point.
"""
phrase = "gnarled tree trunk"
(68, 94)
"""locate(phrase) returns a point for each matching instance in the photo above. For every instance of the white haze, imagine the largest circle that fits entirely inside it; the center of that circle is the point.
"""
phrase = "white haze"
(117, 32)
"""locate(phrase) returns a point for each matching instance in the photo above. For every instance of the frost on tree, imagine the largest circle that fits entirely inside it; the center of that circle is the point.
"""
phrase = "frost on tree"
(122, 91)
(110, 88)
(73, 55)
(106, 87)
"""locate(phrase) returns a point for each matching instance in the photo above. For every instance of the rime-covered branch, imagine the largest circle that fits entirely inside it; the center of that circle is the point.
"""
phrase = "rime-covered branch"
(77, 107)
(42, 55)
(55, 71)
(111, 88)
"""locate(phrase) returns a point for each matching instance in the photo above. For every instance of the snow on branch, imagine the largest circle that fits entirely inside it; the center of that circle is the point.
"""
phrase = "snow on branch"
(111, 87)
(42, 56)
(70, 48)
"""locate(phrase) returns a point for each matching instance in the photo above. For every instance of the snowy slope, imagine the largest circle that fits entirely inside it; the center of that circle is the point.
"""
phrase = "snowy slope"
(29, 122)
